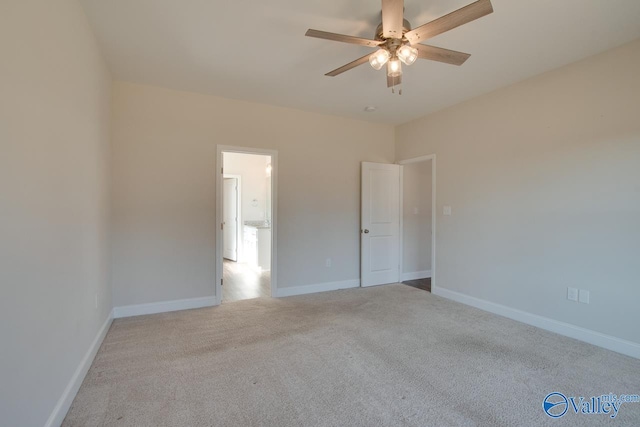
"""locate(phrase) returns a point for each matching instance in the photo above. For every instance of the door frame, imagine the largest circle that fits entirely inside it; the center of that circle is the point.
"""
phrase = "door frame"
(432, 158)
(239, 222)
(219, 177)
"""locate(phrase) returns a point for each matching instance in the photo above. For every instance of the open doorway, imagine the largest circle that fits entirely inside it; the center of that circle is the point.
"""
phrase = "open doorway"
(246, 255)
(418, 222)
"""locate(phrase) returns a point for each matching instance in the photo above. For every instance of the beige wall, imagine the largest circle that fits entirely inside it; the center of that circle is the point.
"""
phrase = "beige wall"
(416, 217)
(544, 181)
(164, 157)
(54, 135)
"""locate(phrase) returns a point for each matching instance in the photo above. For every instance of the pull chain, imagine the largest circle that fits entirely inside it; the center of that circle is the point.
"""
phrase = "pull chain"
(393, 90)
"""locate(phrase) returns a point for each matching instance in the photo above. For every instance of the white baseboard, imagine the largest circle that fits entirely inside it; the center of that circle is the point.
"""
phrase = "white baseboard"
(416, 275)
(65, 401)
(163, 306)
(320, 287)
(609, 342)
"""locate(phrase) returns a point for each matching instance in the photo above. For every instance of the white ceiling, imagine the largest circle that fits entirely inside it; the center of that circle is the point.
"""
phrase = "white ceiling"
(255, 50)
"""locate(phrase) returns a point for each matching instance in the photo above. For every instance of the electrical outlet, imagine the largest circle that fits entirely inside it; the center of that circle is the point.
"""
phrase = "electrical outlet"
(327, 263)
(446, 210)
(572, 294)
(584, 296)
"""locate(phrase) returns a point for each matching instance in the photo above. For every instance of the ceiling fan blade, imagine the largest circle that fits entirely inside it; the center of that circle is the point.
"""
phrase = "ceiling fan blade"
(342, 38)
(459, 17)
(441, 55)
(349, 66)
(393, 81)
(392, 17)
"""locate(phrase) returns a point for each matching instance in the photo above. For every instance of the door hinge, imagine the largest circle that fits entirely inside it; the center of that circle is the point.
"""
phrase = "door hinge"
(222, 171)
(221, 282)
(222, 226)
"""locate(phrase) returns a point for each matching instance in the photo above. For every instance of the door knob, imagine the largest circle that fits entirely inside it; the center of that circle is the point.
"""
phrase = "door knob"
(365, 231)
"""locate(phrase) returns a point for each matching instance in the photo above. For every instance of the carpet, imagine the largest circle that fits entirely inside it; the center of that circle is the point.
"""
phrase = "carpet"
(383, 356)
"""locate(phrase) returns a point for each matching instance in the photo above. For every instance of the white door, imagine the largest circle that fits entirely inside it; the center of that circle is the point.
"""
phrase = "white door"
(380, 224)
(230, 218)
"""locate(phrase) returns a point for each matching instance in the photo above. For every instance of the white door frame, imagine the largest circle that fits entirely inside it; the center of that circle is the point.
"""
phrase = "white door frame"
(432, 158)
(274, 210)
(239, 222)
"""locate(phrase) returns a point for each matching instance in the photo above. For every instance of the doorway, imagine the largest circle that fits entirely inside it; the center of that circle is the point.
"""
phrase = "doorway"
(245, 242)
(417, 222)
(398, 221)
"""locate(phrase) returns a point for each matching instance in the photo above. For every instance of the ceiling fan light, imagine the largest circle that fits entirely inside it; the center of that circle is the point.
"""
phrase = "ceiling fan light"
(394, 68)
(407, 54)
(379, 58)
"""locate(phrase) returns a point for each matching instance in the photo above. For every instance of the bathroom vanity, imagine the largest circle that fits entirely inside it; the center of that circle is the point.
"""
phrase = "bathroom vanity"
(257, 244)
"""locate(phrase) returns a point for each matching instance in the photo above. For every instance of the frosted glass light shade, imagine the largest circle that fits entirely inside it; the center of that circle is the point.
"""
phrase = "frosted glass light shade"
(407, 54)
(379, 58)
(394, 68)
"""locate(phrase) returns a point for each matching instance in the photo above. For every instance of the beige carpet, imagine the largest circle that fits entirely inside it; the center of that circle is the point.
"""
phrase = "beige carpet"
(384, 356)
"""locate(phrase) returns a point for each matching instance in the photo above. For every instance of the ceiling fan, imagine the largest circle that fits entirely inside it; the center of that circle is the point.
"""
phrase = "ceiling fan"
(397, 42)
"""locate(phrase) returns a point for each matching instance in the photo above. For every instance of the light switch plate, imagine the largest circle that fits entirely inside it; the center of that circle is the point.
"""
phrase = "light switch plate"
(446, 210)
(572, 294)
(584, 296)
